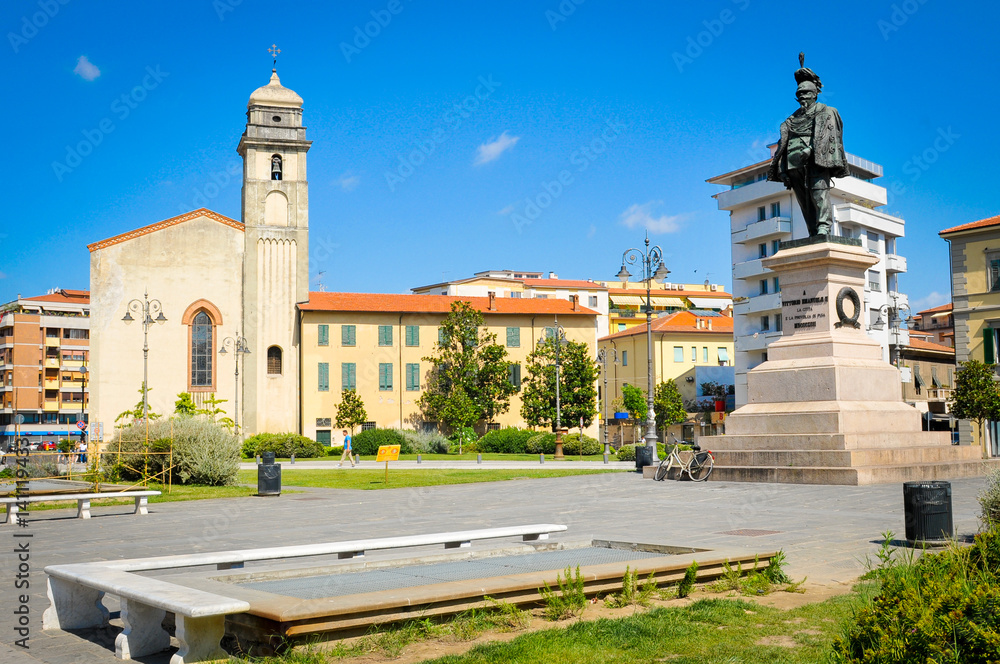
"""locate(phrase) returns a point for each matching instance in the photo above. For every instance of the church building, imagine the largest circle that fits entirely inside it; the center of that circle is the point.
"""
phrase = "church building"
(179, 290)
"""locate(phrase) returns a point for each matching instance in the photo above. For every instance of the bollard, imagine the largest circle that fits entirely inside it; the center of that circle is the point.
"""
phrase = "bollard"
(419, 458)
(258, 459)
(605, 457)
(479, 458)
(541, 458)
(293, 458)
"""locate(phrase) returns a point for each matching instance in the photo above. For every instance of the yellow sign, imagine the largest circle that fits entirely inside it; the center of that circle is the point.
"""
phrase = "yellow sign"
(388, 453)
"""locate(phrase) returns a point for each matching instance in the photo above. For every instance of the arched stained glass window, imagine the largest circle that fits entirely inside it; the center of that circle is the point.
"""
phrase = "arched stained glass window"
(201, 350)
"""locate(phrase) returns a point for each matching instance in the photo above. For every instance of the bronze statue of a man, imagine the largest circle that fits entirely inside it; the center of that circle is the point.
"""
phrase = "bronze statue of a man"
(810, 152)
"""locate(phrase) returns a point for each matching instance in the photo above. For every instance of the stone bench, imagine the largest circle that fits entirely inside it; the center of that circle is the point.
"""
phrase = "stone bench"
(82, 501)
(75, 591)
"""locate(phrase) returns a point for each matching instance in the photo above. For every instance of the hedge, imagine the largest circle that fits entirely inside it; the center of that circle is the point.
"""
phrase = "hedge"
(367, 442)
(283, 445)
(510, 440)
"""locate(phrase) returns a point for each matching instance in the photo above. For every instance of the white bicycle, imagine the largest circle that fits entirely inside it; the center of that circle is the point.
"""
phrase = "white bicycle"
(698, 466)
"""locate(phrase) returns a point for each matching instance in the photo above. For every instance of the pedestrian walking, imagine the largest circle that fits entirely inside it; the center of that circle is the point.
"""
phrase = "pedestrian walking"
(348, 452)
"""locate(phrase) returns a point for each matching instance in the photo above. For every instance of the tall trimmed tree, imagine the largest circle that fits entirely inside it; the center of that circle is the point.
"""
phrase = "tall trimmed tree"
(976, 396)
(350, 411)
(577, 384)
(469, 379)
(668, 405)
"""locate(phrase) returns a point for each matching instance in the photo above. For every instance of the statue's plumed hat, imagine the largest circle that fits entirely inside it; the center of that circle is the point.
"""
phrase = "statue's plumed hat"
(803, 74)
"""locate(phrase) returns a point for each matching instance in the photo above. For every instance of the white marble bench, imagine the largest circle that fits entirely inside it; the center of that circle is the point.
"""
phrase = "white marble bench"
(82, 501)
(75, 591)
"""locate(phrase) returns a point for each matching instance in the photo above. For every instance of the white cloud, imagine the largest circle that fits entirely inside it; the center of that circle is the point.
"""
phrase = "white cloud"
(349, 181)
(592, 231)
(642, 216)
(85, 69)
(507, 210)
(932, 299)
(491, 151)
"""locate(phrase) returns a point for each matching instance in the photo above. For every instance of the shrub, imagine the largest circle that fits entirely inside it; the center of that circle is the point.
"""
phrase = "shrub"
(367, 443)
(463, 439)
(204, 452)
(541, 443)
(687, 583)
(941, 608)
(283, 445)
(426, 442)
(509, 440)
(65, 445)
(571, 444)
(571, 599)
(335, 451)
(626, 453)
(989, 499)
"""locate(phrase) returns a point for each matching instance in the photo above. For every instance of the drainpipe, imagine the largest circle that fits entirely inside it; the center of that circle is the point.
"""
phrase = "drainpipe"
(401, 339)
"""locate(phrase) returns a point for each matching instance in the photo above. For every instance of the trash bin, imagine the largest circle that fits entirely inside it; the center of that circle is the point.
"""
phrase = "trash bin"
(643, 457)
(269, 476)
(927, 508)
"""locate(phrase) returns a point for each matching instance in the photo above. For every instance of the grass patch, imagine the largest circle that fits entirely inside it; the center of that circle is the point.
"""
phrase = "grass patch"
(374, 478)
(468, 456)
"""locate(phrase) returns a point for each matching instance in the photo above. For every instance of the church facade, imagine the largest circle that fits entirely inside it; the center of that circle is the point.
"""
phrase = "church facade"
(181, 289)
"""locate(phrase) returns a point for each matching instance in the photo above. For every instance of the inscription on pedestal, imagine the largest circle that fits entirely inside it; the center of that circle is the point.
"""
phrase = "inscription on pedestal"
(805, 312)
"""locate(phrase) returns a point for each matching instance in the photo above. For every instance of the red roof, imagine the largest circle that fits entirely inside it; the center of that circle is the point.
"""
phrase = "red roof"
(681, 321)
(395, 303)
(562, 283)
(145, 230)
(920, 344)
(936, 310)
(63, 296)
(661, 292)
(982, 223)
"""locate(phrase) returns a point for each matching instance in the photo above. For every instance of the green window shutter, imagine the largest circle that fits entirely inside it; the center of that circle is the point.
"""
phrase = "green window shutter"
(323, 437)
(412, 335)
(348, 376)
(989, 346)
(324, 335)
(513, 337)
(515, 375)
(385, 376)
(324, 376)
(347, 335)
(413, 377)
(385, 335)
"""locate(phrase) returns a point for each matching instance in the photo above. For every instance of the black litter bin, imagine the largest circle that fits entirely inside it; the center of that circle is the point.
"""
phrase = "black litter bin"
(269, 476)
(927, 507)
(643, 457)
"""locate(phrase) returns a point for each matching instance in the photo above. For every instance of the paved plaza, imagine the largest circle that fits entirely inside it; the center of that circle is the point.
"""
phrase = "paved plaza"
(825, 530)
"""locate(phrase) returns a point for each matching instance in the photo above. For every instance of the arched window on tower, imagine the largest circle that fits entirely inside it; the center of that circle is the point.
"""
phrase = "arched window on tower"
(273, 361)
(201, 351)
(276, 167)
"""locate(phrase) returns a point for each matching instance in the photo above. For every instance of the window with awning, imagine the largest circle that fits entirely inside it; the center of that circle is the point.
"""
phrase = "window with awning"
(918, 380)
(723, 356)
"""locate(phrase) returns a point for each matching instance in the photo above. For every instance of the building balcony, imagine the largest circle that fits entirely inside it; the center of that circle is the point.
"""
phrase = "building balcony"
(757, 341)
(762, 230)
(50, 406)
(734, 198)
(51, 363)
(895, 263)
(51, 384)
(748, 269)
(622, 313)
(769, 302)
(52, 342)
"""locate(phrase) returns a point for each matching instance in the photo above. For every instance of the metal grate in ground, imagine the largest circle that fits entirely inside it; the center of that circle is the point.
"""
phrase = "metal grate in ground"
(369, 581)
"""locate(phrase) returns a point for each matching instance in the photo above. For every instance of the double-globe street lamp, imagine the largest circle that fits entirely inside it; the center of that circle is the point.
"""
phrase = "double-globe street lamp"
(651, 267)
(240, 347)
(891, 312)
(146, 309)
(602, 357)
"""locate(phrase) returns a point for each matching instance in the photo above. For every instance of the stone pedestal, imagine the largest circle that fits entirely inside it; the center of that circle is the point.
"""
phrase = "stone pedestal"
(825, 408)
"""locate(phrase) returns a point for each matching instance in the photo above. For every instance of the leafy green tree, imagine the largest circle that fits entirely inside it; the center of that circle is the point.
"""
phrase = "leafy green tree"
(136, 412)
(668, 405)
(577, 384)
(469, 379)
(635, 401)
(976, 396)
(185, 406)
(350, 411)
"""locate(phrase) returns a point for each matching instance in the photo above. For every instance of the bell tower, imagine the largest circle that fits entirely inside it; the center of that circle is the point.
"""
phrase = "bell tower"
(276, 255)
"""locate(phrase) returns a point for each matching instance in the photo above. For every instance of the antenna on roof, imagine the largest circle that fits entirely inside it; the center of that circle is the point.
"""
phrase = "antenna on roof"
(319, 281)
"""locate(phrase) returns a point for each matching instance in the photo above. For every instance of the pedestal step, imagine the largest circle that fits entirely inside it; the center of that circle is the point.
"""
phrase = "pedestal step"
(827, 441)
(848, 458)
(860, 475)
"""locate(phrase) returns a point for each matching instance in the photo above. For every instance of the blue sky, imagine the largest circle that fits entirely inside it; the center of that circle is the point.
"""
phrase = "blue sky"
(637, 103)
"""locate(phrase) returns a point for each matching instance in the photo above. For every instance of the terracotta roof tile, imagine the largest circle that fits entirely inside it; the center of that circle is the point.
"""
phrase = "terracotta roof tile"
(396, 303)
(681, 321)
(934, 310)
(670, 293)
(982, 223)
(562, 283)
(920, 344)
(63, 296)
(145, 230)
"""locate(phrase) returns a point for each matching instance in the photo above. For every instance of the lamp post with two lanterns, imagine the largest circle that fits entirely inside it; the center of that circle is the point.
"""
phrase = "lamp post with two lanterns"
(146, 309)
(240, 347)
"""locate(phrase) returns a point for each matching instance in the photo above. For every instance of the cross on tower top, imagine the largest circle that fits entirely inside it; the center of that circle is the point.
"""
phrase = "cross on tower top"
(274, 51)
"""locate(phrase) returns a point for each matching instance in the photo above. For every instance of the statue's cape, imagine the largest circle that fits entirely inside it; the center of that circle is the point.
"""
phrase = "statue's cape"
(827, 143)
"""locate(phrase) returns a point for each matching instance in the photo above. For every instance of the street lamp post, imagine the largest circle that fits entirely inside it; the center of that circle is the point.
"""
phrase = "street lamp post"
(650, 262)
(602, 357)
(83, 404)
(240, 347)
(145, 308)
(892, 313)
(559, 335)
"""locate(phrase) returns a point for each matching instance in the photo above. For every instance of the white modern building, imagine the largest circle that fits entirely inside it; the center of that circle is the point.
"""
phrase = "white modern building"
(762, 214)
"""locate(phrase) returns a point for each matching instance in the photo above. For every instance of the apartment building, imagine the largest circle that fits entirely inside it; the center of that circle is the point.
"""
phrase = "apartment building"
(628, 300)
(376, 344)
(763, 214)
(936, 324)
(532, 285)
(44, 344)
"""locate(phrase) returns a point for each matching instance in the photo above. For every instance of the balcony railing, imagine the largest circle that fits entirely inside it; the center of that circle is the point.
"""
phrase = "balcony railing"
(895, 263)
(52, 362)
(50, 406)
(623, 313)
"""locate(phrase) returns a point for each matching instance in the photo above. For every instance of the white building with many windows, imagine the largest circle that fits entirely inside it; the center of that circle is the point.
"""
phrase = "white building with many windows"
(762, 214)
